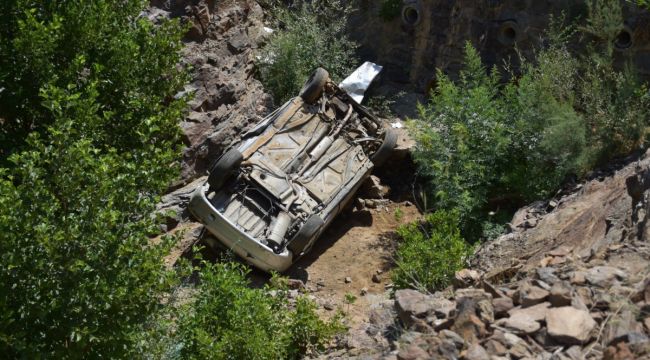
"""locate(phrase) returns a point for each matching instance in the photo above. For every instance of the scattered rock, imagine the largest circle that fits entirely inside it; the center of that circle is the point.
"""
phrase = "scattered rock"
(624, 327)
(295, 284)
(476, 352)
(372, 188)
(363, 291)
(559, 251)
(536, 312)
(469, 326)
(578, 278)
(475, 294)
(456, 339)
(495, 347)
(582, 298)
(443, 308)
(492, 290)
(547, 275)
(485, 311)
(411, 304)
(603, 276)
(348, 279)
(569, 325)
(618, 352)
(520, 323)
(541, 284)
(642, 292)
(412, 352)
(517, 347)
(502, 306)
(441, 324)
(530, 295)
(560, 294)
(465, 278)
(376, 278)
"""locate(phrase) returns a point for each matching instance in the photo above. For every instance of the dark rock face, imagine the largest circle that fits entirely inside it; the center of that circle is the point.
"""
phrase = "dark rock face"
(412, 50)
(226, 98)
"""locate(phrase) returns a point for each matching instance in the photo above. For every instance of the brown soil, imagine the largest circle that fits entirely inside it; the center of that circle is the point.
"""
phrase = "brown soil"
(358, 245)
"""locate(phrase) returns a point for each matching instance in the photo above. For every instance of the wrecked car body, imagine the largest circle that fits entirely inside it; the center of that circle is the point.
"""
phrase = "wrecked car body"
(270, 196)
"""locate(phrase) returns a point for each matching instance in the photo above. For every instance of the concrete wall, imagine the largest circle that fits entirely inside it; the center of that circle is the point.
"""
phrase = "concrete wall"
(411, 47)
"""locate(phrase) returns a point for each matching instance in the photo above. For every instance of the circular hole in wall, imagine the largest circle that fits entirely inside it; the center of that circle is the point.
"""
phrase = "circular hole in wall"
(508, 33)
(623, 39)
(411, 15)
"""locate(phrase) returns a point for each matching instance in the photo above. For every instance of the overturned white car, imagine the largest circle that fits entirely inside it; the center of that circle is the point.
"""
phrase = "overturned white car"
(270, 196)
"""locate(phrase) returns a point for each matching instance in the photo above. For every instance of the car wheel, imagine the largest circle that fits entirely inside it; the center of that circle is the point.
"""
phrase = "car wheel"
(305, 234)
(386, 148)
(313, 87)
(223, 169)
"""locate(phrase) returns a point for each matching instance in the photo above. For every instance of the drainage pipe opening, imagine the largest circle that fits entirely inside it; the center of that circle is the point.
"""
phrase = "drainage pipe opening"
(623, 39)
(508, 33)
(411, 15)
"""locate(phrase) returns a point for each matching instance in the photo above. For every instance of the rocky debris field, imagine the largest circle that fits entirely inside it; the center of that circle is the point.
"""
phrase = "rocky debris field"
(570, 281)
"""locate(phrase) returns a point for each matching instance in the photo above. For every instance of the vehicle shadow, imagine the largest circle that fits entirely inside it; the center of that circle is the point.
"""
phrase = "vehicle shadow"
(345, 221)
(386, 246)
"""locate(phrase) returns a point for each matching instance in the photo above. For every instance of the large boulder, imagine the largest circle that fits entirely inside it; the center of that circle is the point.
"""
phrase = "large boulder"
(412, 304)
(568, 325)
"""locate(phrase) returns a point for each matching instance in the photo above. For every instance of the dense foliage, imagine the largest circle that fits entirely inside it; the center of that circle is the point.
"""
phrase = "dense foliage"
(429, 253)
(231, 320)
(88, 138)
(484, 145)
(307, 35)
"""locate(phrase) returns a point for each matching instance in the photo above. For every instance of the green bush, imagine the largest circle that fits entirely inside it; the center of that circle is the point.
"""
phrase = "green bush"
(390, 9)
(230, 320)
(308, 35)
(81, 47)
(88, 139)
(485, 145)
(462, 135)
(429, 254)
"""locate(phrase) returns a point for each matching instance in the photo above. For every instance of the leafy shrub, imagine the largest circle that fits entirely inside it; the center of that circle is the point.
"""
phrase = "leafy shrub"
(230, 320)
(99, 47)
(429, 254)
(88, 139)
(308, 35)
(390, 9)
(462, 135)
(484, 145)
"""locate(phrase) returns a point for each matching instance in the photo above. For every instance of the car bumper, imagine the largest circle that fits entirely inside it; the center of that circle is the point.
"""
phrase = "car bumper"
(233, 238)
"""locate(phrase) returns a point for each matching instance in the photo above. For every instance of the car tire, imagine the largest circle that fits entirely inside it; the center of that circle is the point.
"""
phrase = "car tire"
(386, 148)
(313, 87)
(224, 168)
(305, 234)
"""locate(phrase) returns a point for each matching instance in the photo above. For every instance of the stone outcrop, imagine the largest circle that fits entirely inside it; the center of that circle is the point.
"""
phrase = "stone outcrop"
(226, 98)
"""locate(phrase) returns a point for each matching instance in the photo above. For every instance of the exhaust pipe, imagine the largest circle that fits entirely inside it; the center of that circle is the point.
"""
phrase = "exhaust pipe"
(279, 228)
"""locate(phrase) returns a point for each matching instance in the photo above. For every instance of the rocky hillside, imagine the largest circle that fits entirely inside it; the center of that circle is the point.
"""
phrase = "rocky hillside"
(226, 98)
(570, 281)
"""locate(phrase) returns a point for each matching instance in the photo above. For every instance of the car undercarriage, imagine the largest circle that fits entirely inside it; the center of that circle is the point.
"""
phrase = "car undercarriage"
(293, 173)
